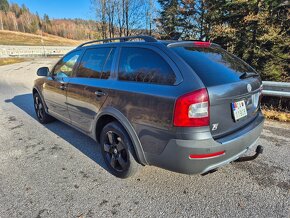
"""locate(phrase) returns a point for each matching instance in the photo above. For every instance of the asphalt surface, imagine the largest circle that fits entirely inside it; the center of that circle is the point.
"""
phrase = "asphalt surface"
(55, 171)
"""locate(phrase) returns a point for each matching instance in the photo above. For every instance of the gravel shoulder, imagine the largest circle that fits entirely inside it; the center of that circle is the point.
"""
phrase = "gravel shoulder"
(55, 171)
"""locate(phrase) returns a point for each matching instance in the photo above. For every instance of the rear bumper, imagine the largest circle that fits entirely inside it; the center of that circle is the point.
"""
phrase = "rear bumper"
(175, 156)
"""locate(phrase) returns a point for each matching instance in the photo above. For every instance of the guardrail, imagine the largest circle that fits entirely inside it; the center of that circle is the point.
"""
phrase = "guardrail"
(276, 89)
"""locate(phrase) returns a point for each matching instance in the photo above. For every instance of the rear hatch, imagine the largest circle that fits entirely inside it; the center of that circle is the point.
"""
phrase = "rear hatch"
(233, 86)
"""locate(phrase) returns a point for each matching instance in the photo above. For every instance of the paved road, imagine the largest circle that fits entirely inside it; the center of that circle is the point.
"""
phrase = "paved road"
(55, 171)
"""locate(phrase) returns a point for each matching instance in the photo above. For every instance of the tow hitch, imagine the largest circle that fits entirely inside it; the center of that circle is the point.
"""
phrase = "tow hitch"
(259, 150)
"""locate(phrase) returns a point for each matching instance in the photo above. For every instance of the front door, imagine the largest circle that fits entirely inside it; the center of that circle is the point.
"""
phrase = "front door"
(55, 88)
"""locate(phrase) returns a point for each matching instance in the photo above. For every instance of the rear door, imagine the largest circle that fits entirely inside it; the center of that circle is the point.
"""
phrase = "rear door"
(234, 87)
(145, 93)
(89, 88)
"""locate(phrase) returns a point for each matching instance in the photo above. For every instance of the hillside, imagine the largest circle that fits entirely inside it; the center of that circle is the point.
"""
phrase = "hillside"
(18, 38)
(14, 17)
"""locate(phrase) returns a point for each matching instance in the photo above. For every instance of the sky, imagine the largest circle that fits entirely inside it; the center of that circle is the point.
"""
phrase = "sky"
(59, 8)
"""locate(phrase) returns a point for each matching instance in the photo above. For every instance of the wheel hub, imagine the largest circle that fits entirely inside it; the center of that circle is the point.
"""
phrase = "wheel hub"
(115, 151)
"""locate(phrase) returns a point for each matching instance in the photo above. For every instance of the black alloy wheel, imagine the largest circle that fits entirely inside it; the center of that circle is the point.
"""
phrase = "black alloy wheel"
(118, 151)
(39, 109)
(41, 114)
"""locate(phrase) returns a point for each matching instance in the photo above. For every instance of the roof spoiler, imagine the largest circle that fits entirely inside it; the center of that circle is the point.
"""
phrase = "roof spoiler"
(190, 43)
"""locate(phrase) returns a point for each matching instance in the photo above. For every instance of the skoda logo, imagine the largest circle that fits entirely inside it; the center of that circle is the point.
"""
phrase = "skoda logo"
(249, 87)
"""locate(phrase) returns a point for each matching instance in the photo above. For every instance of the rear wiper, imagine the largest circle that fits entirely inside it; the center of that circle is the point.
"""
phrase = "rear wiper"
(248, 74)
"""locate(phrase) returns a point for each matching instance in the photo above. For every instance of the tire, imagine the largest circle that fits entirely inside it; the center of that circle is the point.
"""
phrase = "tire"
(118, 151)
(41, 114)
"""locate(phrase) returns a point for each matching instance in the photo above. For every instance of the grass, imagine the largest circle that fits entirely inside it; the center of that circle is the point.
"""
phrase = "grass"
(18, 38)
(6, 61)
(276, 115)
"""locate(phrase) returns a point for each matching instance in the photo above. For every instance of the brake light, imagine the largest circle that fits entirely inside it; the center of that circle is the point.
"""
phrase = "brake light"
(192, 109)
(202, 44)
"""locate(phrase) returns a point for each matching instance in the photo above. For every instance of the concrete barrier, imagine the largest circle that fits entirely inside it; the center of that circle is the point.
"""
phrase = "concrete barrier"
(33, 51)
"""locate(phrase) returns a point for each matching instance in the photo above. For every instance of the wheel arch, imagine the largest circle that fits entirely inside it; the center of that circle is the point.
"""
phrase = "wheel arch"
(110, 114)
(34, 90)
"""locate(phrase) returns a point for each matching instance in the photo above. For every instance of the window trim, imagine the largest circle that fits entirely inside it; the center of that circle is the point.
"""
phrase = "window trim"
(159, 52)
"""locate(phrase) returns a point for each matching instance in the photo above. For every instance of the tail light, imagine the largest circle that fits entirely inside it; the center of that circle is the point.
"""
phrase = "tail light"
(192, 109)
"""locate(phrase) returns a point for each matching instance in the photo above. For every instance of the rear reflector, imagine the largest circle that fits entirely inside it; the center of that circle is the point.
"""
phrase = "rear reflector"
(204, 156)
(202, 44)
(192, 109)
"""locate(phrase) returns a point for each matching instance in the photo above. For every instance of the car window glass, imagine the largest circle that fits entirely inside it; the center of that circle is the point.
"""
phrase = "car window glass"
(96, 63)
(213, 65)
(145, 65)
(64, 68)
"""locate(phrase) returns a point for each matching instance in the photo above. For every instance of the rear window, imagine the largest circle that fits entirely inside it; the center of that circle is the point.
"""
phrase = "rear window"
(213, 65)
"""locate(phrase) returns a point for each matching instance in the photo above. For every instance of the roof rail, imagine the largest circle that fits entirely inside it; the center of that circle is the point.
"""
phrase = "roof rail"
(121, 39)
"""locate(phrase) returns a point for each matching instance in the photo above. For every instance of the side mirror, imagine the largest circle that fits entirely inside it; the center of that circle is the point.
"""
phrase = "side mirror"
(43, 71)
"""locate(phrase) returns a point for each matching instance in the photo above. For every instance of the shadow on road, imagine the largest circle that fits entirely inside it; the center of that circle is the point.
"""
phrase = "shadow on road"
(79, 140)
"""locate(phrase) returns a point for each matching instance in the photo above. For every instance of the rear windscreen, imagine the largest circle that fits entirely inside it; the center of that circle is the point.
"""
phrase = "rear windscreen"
(213, 65)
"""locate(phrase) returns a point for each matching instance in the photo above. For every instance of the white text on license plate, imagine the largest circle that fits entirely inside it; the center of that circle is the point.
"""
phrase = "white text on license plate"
(239, 110)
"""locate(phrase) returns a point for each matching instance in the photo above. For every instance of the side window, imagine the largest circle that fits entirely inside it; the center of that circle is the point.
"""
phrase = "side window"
(145, 65)
(96, 63)
(65, 67)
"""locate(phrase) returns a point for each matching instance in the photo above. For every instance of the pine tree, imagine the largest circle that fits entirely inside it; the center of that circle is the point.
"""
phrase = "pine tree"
(169, 21)
(257, 31)
(188, 15)
(4, 5)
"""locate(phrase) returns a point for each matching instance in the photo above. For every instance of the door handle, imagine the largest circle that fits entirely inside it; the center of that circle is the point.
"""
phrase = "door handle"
(62, 86)
(100, 93)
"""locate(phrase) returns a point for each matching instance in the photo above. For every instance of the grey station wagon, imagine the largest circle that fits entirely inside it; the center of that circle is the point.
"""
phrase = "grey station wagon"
(185, 106)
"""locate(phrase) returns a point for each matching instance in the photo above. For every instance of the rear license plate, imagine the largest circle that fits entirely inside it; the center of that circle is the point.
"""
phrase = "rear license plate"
(239, 110)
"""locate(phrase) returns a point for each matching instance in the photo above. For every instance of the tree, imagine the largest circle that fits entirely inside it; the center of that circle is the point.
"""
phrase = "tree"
(46, 24)
(257, 31)
(184, 18)
(149, 13)
(111, 16)
(188, 18)
(16, 9)
(168, 22)
(4, 5)
(1, 20)
(122, 16)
